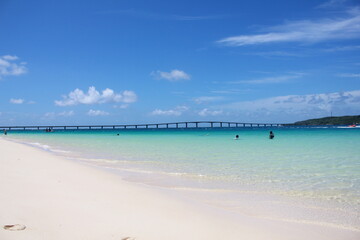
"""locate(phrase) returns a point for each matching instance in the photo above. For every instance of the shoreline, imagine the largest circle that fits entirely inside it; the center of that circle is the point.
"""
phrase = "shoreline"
(57, 198)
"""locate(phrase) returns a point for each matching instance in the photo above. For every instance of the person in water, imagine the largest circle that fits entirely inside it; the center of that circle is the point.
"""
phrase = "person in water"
(237, 137)
(5, 132)
(271, 135)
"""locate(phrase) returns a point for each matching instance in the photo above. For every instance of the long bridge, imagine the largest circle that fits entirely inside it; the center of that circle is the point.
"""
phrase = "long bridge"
(194, 124)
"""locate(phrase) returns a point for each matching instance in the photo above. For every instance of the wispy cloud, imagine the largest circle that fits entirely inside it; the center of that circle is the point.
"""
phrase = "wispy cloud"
(121, 106)
(17, 100)
(343, 48)
(172, 76)
(278, 54)
(268, 80)
(178, 111)
(206, 112)
(207, 99)
(66, 113)
(94, 97)
(94, 113)
(350, 75)
(137, 13)
(231, 91)
(61, 114)
(9, 66)
(305, 31)
(293, 106)
(332, 4)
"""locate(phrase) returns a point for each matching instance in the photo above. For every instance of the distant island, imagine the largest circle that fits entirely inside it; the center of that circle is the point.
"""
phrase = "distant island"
(344, 120)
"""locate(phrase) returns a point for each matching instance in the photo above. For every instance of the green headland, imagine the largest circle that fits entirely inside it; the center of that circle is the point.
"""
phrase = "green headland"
(343, 120)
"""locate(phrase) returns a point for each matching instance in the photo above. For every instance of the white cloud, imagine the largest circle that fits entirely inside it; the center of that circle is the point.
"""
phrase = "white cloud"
(97, 113)
(343, 48)
(94, 97)
(305, 31)
(206, 112)
(9, 68)
(50, 115)
(172, 76)
(61, 114)
(66, 113)
(178, 111)
(10, 58)
(121, 106)
(310, 105)
(17, 100)
(332, 4)
(350, 75)
(278, 54)
(267, 80)
(206, 99)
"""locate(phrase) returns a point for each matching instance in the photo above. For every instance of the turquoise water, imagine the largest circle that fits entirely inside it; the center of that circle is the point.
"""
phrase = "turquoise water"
(319, 166)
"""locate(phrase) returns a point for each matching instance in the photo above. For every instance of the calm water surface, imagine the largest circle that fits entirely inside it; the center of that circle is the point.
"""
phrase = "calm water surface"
(315, 168)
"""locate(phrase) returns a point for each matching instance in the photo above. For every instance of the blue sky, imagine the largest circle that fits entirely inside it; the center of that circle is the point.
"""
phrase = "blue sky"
(138, 61)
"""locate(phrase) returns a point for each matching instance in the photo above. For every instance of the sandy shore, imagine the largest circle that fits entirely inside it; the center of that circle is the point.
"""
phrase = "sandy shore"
(56, 198)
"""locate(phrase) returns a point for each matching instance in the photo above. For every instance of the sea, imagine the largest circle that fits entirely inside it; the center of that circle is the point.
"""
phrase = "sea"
(305, 175)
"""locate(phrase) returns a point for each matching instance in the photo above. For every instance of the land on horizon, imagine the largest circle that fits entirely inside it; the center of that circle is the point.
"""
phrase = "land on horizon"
(341, 120)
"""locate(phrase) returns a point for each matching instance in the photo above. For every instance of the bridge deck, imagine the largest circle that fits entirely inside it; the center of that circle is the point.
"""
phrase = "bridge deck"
(194, 124)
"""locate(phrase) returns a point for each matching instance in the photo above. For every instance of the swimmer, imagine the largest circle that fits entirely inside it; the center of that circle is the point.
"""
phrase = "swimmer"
(271, 135)
(236, 137)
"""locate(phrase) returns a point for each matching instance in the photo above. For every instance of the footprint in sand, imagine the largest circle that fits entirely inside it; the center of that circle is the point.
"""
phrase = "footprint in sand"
(14, 227)
(128, 238)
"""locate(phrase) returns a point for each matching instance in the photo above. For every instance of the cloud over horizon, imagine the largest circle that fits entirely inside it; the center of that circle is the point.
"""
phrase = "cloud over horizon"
(93, 113)
(291, 106)
(177, 111)
(206, 112)
(95, 97)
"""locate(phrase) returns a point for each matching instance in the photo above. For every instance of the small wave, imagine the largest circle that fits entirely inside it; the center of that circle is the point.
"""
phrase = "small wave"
(39, 145)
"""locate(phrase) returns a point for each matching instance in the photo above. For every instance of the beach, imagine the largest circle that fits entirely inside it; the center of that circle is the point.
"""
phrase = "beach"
(57, 198)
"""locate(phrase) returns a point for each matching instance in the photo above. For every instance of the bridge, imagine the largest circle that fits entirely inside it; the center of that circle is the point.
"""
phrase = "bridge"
(172, 125)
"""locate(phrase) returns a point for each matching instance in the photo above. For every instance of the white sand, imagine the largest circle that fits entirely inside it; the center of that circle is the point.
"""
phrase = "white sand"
(56, 198)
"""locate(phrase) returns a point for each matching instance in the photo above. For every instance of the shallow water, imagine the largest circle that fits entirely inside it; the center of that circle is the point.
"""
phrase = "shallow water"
(316, 171)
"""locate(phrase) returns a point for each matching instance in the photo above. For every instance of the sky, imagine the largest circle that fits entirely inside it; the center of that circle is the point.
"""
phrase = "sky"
(139, 61)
